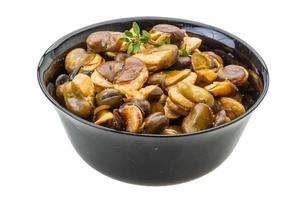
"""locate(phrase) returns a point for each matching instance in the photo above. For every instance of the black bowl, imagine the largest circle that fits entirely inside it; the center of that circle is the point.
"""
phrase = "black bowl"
(152, 159)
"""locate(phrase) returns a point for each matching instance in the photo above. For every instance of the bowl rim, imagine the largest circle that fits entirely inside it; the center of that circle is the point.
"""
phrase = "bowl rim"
(179, 20)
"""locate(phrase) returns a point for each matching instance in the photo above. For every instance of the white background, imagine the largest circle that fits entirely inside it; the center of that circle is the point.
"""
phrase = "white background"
(37, 160)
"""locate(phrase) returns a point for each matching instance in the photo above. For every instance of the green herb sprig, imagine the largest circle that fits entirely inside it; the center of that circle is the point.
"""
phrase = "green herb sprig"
(135, 37)
(184, 53)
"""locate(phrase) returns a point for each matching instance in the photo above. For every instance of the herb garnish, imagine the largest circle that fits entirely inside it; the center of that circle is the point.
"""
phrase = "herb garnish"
(135, 37)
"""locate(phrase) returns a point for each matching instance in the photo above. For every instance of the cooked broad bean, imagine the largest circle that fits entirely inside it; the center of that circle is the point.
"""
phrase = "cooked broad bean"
(200, 118)
(155, 123)
(157, 82)
(234, 73)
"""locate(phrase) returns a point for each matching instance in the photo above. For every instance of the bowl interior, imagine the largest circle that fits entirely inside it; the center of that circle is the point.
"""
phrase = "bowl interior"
(223, 43)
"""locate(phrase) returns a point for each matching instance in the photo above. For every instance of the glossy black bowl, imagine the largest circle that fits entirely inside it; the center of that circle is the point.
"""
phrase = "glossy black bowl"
(152, 159)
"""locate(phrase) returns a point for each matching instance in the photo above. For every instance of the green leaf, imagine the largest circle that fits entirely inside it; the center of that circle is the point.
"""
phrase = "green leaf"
(146, 35)
(183, 53)
(136, 28)
(128, 34)
(167, 40)
(143, 39)
(130, 48)
(136, 47)
(158, 44)
(125, 39)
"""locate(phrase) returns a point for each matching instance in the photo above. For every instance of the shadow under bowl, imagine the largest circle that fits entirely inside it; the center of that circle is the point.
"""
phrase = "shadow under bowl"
(152, 159)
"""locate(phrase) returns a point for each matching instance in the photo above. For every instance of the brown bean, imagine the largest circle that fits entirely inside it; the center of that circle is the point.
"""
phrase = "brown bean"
(195, 94)
(132, 76)
(74, 72)
(110, 97)
(232, 107)
(157, 79)
(117, 122)
(234, 73)
(75, 101)
(103, 117)
(102, 41)
(130, 71)
(215, 60)
(176, 96)
(224, 88)
(190, 44)
(155, 123)
(200, 118)
(109, 69)
(157, 107)
(121, 57)
(176, 108)
(170, 114)
(221, 118)
(175, 76)
(176, 33)
(132, 116)
(200, 61)
(159, 58)
(206, 76)
(144, 105)
(182, 63)
(61, 79)
(77, 58)
(172, 130)
(152, 92)
(93, 64)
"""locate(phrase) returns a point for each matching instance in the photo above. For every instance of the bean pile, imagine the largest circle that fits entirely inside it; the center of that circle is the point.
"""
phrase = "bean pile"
(156, 82)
